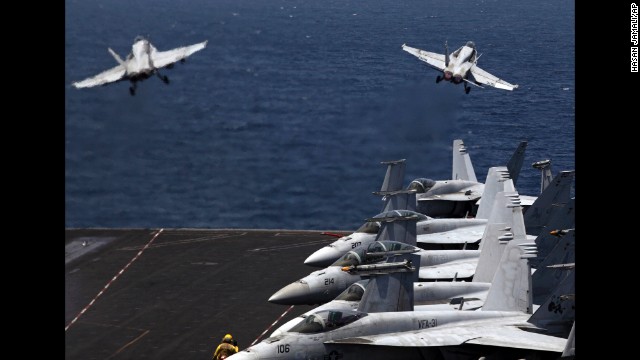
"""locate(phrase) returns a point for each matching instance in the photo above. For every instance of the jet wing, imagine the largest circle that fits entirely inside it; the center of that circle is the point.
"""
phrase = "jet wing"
(463, 268)
(161, 59)
(105, 77)
(470, 234)
(488, 335)
(434, 60)
(485, 78)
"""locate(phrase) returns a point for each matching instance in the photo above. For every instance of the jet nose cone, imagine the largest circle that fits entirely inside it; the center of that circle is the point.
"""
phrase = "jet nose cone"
(295, 293)
(323, 257)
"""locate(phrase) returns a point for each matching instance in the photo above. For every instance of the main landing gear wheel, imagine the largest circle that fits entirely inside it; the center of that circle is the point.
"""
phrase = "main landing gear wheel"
(164, 78)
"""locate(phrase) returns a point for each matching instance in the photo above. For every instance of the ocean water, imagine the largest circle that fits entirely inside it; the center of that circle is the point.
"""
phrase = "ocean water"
(281, 122)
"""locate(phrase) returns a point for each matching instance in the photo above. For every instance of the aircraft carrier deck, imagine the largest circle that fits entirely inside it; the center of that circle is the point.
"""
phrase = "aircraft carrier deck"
(174, 293)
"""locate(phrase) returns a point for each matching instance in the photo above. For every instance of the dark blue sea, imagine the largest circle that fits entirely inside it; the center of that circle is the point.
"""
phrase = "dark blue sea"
(281, 122)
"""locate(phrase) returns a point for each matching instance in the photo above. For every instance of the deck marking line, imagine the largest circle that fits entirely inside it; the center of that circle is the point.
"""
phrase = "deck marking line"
(275, 322)
(112, 280)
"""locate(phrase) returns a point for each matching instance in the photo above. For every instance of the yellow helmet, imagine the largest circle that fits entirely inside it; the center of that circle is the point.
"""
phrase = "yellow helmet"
(227, 337)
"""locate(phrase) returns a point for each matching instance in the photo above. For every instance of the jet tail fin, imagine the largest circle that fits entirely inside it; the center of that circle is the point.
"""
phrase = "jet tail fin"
(400, 200)
(394, 176)
(563, 218)
(545, 169)
(496, 179)
(570, 348)
(401, 226)
(462, 168)
(547, 276)
(558, 313)
(116, 56)
(505, 224)
(511, 286)
(446, 54)
(515, 163)
(391, 289)
(541, 211)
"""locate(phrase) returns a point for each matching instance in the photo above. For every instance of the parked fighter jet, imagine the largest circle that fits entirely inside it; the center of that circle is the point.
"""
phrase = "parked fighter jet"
(458, 65)
(432, 234)
(471, 295)
(463, 179)
(399, 226)
(436, 265)
(143, 61)
(458, 198)
(324, 285)
(384, 325)
(447, 232)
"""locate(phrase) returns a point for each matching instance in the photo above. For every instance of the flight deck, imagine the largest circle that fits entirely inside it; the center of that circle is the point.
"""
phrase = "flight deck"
(174, 293)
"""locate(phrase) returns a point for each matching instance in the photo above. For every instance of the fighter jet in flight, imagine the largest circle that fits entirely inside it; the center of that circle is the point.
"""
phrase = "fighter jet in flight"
(143, 61)
(459, 67)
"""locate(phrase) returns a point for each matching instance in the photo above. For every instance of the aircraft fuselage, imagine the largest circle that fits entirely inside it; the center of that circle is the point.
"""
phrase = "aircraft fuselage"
(295, 345)
(460, 62)
(324, 285)
(139, 64)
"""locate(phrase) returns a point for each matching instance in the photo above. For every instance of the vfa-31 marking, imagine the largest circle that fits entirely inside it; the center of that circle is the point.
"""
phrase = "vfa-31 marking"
(427, 323)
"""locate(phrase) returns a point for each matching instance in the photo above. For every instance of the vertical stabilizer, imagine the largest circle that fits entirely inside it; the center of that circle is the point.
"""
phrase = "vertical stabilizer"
(556, 194)
(390, 289)
(446, 54)
(515, 163)
(462, 168)
(563, 218)
(511, 286)
(495, 183)
(116, 56)
(505, 224)
(400, 200)
(570, 348)
(545, 173)
(394, 176)
(397, 225)
(546, 278)
(557, 314)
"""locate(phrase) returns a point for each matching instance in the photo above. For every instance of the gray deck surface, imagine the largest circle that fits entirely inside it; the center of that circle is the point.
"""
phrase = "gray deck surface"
(186, 290)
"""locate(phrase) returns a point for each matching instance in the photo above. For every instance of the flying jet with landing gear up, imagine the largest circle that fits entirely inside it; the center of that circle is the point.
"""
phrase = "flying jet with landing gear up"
(459, 67)
(143, 61)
